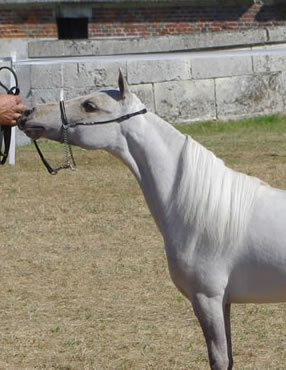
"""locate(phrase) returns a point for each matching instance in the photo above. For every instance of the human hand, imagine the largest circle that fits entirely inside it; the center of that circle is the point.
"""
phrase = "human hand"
(11, 109)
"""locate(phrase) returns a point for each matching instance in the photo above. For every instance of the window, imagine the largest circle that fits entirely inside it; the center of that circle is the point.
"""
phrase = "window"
(72, 22)
(72, 28)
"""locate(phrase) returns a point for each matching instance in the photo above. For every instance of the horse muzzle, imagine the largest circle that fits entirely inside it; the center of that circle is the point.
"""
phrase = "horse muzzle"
(30, 127)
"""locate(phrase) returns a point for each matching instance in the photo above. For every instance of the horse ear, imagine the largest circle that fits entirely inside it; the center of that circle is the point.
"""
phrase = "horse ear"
(123, 86)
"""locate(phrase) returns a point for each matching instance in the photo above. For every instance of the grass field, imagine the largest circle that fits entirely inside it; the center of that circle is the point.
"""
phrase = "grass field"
(83, 275)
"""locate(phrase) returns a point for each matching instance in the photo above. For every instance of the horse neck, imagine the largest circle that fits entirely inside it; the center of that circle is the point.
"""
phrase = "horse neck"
(152, 153)
(186, 185)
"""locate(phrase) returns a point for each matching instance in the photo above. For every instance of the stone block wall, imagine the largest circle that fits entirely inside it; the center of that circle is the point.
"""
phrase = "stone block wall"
(178, 88)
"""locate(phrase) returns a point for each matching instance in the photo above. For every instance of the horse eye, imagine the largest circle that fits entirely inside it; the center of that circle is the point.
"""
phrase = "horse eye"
(89, 106)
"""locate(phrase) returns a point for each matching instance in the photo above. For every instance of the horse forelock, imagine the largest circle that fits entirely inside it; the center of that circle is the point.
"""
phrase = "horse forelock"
(214, 199)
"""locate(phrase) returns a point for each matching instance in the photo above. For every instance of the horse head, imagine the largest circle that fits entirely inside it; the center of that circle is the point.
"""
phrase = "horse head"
(45, 120)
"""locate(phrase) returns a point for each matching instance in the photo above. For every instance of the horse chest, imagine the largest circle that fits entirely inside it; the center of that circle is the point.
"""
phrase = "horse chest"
(192, 272)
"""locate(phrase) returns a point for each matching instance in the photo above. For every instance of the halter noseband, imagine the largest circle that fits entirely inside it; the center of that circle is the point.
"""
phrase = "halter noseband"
(69, 158)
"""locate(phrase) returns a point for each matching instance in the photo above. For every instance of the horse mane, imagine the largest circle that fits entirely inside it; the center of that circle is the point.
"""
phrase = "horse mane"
(211, 198)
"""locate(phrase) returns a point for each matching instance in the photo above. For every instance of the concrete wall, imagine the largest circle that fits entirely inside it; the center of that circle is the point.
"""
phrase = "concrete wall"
(177, 86)
(178, 90)
(167, 73)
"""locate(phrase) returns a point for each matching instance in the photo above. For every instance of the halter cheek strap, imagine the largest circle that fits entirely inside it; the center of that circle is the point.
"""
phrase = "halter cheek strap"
(65, 122)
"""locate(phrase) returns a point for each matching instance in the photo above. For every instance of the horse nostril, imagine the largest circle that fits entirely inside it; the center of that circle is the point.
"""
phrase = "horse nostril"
(24, 118)
(28, 112)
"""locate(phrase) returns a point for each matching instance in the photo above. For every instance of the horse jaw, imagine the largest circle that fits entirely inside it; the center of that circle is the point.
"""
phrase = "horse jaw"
(34, 133)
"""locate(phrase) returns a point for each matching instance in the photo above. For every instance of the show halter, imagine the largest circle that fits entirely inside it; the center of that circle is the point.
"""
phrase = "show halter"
(69, 158)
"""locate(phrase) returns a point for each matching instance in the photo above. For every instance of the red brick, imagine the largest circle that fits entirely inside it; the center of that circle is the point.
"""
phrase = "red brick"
(140, 21)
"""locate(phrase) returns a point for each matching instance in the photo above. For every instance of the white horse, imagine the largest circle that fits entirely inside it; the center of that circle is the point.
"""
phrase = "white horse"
(224, 232)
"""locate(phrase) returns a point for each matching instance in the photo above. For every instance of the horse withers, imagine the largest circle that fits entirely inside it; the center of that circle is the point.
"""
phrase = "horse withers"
(224, 232)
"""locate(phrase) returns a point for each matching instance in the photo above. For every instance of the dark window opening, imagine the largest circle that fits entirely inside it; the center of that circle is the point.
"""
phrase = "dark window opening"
(72, 28)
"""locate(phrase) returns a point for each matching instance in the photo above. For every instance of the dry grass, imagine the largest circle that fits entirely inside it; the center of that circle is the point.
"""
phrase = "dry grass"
(83, 276)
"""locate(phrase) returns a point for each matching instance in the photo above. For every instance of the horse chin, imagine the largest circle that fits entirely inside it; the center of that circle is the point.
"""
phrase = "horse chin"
(34, 132)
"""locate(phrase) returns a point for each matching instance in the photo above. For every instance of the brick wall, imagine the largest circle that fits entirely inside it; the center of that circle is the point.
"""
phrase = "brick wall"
(41, 23)
(162, 21)
(25, 23)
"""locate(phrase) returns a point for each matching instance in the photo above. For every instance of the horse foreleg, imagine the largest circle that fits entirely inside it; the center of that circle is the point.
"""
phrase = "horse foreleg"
(211, 315)
(228, 334)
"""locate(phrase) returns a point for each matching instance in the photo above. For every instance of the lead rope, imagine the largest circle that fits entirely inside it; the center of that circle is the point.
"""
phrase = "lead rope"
(68, 156)
(5, 131)
(69, 161)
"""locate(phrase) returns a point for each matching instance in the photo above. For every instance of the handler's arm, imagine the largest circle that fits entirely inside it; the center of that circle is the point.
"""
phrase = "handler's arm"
(11, 109)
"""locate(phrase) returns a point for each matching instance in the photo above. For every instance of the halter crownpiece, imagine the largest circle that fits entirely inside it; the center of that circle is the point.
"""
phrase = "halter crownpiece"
(69, 158)
(122, 118)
